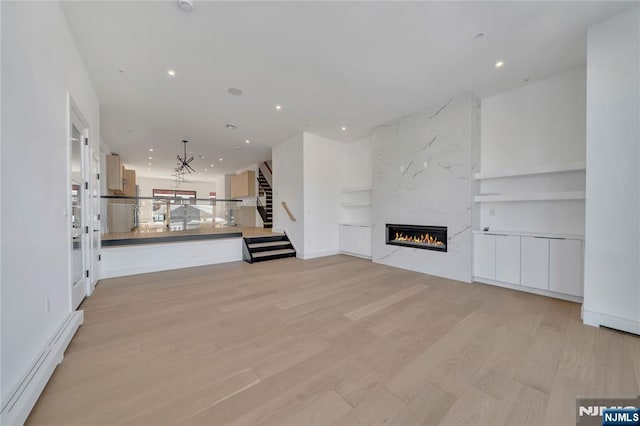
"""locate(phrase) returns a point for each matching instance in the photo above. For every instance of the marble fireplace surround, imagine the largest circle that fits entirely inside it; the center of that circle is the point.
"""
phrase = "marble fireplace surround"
(423, 174)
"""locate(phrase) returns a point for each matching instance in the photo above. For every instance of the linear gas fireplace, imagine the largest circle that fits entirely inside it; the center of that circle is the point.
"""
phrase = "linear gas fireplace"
(422, 237)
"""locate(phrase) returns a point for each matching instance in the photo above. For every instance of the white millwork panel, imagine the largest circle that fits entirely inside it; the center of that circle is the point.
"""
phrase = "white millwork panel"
(508, 258)
(484, 256)
(535, 262)
(565, 266)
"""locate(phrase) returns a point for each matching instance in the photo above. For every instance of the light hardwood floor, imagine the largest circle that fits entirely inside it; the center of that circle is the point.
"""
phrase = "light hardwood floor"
(335, 340)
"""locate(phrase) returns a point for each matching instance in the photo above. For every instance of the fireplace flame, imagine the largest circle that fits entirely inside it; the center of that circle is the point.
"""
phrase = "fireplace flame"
(421, 239)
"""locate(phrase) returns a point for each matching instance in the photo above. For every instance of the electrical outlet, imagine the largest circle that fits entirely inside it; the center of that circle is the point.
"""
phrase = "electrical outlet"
(48, 305)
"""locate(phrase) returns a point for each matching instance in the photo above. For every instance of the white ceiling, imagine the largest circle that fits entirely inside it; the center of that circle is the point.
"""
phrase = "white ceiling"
(329, 64)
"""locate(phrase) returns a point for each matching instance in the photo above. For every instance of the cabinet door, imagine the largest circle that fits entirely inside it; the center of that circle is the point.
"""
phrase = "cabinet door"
(565, 266)
(114, 173)
(535, 262)
(484, 256)
(364, 241)
(347, 238)
(508, 258)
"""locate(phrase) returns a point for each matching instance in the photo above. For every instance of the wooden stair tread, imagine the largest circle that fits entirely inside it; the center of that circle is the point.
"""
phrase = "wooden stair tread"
(269, 244)
(273, 252)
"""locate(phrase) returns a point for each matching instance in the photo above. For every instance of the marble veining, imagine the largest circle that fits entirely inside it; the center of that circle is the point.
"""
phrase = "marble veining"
(423, 168)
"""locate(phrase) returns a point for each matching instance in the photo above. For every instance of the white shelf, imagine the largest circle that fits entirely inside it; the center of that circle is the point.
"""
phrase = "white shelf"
(531, 234)
(538, 196)
(356, 204)
(515, 173)
(355, 189)
(368, 225)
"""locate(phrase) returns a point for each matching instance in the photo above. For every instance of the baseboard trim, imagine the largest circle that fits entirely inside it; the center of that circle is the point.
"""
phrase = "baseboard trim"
(361, 256)
(597, 319)
(320, 254)
(568, 297)
(23, 397)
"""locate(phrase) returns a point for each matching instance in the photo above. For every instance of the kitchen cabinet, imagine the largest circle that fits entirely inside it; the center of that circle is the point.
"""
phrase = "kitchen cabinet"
(115, 174)
(243, 185)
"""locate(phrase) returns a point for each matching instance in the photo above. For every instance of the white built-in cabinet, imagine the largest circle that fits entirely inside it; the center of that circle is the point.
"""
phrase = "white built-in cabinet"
(355, 227)
(508, 258)
(355, 239)
(548, 265)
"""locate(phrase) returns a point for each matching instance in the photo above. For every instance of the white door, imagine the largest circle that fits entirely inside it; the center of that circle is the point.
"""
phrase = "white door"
(94, 235)
(79, 229)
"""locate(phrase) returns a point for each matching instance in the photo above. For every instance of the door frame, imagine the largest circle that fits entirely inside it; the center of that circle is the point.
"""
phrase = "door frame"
(94, 253)
(74, 115)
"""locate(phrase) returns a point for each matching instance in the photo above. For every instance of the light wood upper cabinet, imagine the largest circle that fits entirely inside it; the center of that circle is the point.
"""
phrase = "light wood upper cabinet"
(114, 173)
(129, 185)
(243, 185)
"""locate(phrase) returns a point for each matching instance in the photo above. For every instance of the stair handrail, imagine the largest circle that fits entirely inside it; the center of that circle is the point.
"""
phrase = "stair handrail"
(286, 208)
(266, 172)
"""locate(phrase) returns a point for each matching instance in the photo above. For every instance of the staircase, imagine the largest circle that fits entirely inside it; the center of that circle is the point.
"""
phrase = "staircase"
(265, 210)
(258, 249)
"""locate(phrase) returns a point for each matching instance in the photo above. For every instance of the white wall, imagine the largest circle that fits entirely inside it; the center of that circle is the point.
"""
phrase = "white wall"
(540, 125)
(325, 164)
(612, 234)
(423, 167)
(359, 169)
(288, 186)
(40, 64)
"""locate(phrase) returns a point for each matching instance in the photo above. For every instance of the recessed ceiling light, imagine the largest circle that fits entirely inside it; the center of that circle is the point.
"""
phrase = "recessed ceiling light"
(172, 73)
(344, 128)
(201, 156)
(220, 159)
(231, 126)
(499, 64)
(278, 107)
(211, 165)
(237, 148)
(206, 170)
(247, 141)
(149, 163)
(150, 158)
(150, 149)
(185, 5)
(148, 168)
(234, 91)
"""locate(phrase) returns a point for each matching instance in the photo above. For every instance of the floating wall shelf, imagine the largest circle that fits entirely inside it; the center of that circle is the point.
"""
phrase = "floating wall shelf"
(355, 204)
(541, 171)
(355, 189)
(539, 196)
